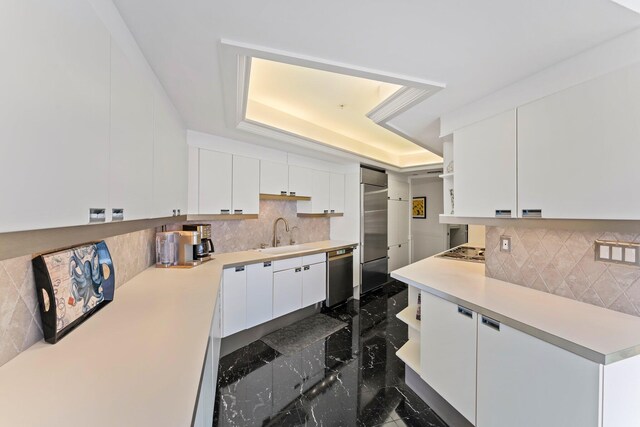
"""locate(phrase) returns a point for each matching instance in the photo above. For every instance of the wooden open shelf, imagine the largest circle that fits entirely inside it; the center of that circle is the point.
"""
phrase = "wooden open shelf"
(320, 215)
(410, 354)
(408, 316)
(282, 197)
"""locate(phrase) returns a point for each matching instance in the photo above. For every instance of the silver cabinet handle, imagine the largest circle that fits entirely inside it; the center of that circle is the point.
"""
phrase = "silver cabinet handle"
(283, 193)
(298, 270)
(333, 211)
(503, 213)
(238, 269)
(493, 324)
(266, 264)
(97, 215)
(117, 214)
(465, 312)
(237, 211)
(531, 213)
(292, 193)
(306, 267)
(224, 211)
(326, 211)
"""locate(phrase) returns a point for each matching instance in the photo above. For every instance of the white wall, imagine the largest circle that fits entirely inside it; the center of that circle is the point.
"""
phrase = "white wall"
(602, 59)
(428, 236)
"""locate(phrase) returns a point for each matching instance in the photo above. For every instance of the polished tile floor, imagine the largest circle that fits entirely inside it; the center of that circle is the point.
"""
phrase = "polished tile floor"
(351, 378)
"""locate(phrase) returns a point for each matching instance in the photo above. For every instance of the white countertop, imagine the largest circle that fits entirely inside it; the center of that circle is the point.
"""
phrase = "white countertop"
(601, 335)
(136, 362)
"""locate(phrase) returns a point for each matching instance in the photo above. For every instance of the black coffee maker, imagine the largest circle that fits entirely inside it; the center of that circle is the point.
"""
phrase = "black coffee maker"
(202, 251)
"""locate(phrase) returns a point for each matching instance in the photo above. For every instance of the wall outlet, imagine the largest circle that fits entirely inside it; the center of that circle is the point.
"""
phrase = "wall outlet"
(618, 252)
(505, 244)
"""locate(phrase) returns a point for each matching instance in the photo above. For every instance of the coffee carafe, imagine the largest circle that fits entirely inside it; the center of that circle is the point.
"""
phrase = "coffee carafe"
(204, 248)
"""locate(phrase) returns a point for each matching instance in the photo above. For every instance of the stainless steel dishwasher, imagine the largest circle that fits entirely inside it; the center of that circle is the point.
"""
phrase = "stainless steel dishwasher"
(339, 276)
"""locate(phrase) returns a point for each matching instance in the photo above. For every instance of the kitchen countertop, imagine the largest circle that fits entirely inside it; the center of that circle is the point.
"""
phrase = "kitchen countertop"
(595, 333)
(137, 361)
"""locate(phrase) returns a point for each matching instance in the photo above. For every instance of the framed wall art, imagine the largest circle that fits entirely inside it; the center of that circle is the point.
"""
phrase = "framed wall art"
(419, 207)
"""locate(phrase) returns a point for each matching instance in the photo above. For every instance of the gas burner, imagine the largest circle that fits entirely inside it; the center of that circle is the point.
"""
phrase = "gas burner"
(464, 253)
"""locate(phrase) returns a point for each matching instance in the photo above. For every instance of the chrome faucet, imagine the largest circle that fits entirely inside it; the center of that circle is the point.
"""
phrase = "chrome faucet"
(275, 229)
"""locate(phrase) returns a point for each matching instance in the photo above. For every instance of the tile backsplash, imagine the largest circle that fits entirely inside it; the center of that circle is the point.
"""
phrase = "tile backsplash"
(20, 325)
(240, 235)
(563, 262)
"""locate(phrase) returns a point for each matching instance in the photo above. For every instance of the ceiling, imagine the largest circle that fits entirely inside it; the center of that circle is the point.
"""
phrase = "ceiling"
(473, 47)
(330, 108)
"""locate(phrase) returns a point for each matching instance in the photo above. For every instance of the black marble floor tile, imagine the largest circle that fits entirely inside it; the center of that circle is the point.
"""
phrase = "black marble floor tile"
(350, 378)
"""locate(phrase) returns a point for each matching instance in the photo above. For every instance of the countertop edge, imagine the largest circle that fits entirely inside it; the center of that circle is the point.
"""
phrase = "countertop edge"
(582, 351)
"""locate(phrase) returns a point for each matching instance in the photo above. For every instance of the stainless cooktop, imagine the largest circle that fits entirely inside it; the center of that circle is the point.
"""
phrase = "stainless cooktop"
(464, 253)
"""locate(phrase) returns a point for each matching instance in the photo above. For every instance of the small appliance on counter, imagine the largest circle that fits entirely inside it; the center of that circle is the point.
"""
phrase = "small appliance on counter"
(204, 249)
(176, 249)
(464, 253)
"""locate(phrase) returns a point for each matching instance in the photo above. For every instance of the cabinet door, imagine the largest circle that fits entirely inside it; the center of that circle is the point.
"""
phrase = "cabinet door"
(394, 258)
(246, 185)
(300, 181)
(485, 167)
(259, 293)
(403, 191)
(314, 283)
(320, 196)
(403, 215)
(578, 150)
(403, 255)
(131, 147)
(54, 114)
(234, 300)
(336, 193)
(274, 178)
(214, 195)
(526, 382)
(170, 160)
(287, 291)
(448, 336)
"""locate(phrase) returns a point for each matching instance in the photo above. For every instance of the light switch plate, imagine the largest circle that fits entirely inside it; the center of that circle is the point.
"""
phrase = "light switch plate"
(626, 253)
(505, 244)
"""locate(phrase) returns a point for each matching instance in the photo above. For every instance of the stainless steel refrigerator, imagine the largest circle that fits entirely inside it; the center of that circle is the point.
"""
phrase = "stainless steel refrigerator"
(373, 228)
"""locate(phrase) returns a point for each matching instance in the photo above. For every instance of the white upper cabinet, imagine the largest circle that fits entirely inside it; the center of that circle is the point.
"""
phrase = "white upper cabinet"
(578, 150)
(321, 193)
(336, 193)
(246, 185)
(398, 216)
(131, 148)
(215, 171)
(169, 160)
(274, 178)
(54, 114)
(398, 190)
(485, 167)
(300, 181)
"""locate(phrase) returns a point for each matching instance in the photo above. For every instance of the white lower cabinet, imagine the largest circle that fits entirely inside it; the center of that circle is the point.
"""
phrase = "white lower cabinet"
(314, 283)
(287, 291)
(234, 300)
(448, 358)
(259, 293)
(526, 382)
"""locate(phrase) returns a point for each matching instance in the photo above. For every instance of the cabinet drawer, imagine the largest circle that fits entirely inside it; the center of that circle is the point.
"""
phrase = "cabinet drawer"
(286, 264)
(314, 259)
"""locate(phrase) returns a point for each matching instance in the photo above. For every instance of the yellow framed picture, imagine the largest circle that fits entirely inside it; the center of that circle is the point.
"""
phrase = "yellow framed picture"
(420, 207)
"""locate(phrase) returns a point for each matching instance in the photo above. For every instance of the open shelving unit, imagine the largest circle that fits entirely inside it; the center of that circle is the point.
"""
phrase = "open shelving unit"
(409, 353)
(408, 316)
